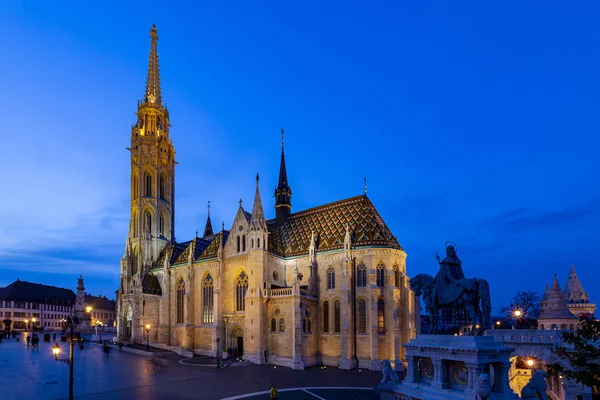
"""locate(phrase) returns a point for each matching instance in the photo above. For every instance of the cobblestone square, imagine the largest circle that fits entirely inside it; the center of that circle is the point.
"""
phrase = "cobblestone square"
(26, 374)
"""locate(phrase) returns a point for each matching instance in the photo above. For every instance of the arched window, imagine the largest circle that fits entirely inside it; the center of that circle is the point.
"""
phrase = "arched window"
(362, 275)
(148, 182)
(258, 245)
(304, 325)
(326, 316)
(542, 327)
(147, 223)
(380, 275)
(162, 187)
(396, 270)
(252, 244)
(380, 316)
(134, 224)
(281, 325)
(336, 317)
(135, 185)
(238, 244)
(362, 316)
(208, 300)
(179, 302)
(308, 322)
(241, 286)
(273, 325)
(244, 243)
(161, 225)
(330, 278)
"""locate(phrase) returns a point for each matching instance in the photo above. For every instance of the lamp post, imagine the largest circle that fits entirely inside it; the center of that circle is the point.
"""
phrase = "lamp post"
(88, 310)
(71, 322)
(218, 355)
(147, 329)
(517, 317)
(26, 325)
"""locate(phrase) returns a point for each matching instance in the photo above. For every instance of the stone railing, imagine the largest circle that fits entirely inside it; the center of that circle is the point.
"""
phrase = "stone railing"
(279, 292)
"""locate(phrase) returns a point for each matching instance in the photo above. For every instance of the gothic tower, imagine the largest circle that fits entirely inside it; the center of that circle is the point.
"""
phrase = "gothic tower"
(283, 192)
(152, 171)
(151, 225)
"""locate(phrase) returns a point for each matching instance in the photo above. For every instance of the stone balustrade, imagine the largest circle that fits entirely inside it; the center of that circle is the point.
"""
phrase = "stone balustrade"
(279, 292)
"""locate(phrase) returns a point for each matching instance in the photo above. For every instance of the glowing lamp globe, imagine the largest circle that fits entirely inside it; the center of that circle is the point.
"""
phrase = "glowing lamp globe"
(56, 351)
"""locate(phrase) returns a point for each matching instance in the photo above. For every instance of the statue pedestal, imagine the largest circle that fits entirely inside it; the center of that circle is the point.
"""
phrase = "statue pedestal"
(451, 367)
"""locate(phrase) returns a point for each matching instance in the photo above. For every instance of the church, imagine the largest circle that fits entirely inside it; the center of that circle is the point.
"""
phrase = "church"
(326, 285)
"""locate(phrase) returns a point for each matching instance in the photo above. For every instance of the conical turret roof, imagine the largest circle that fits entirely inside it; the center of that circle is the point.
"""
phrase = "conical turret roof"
(573, 289)
(554, 305)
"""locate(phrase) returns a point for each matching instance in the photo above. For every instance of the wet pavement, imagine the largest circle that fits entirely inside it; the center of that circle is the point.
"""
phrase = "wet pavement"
(27, 374)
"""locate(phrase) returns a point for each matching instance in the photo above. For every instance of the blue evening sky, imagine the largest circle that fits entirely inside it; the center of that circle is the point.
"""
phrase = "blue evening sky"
(475, 122)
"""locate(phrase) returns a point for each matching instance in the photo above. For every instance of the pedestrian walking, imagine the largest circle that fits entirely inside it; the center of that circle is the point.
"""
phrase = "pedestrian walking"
(273, 393)
(106, 350)
(28, 340)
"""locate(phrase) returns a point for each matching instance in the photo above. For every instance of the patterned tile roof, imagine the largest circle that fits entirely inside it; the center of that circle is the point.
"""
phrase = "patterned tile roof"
(328, 222)
(204, 248)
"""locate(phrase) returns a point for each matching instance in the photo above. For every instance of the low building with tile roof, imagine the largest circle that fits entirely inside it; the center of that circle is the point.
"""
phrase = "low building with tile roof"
(323, 285)
(27, 305)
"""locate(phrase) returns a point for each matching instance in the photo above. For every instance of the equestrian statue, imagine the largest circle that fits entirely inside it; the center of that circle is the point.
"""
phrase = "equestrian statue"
(449, 290)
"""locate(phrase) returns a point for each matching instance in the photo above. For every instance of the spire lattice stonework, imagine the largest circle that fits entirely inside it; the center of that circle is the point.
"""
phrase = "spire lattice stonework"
(153, 92)
(283, 192)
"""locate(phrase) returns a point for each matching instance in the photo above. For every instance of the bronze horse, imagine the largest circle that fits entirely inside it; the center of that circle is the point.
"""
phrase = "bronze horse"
(473, 295)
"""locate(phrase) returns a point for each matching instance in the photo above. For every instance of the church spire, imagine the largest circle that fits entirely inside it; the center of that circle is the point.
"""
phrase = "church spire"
(258, 215)
(208, 230)
(283, 192)
(153, 93)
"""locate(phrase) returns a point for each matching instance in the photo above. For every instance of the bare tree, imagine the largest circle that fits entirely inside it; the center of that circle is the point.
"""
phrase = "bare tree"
(527, 302)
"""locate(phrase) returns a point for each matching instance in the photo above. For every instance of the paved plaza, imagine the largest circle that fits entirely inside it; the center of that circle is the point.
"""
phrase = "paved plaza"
(34, 374)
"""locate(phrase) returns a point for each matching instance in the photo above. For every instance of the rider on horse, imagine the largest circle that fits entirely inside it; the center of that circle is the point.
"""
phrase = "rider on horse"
(450, 281)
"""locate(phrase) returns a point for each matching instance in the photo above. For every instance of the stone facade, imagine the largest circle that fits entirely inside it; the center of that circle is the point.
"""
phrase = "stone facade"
(325, 285)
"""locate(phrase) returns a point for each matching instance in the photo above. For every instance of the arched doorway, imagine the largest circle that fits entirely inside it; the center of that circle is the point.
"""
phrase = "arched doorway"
(237, 341)
(127, 321)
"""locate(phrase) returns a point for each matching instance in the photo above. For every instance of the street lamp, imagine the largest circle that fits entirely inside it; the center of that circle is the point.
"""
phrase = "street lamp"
(530, 363)
(517, 316)
(147, 329)
(70, 322)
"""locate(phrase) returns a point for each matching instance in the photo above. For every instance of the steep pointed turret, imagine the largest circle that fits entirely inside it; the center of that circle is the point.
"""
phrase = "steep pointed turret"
(258, 215)
(554, 307)
(573, 290)
(283, 192)
(208, 230)
(153, 93)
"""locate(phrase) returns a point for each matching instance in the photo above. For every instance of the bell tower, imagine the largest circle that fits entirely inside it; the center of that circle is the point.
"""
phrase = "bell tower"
(152, 219)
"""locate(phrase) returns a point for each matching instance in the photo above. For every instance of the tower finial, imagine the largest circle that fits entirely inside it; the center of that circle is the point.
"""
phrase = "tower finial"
(257, 178)
(283, 192)
(282, 137)
(365, 186)
(153, 91)
(209, 209)
(208, 230)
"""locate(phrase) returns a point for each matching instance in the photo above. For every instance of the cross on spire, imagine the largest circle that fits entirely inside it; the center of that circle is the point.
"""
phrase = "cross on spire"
(282, 135)
(209, 208)
(365, 186)
(240, 202)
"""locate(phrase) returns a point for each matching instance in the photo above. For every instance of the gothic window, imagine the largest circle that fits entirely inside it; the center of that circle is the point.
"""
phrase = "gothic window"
(252, 244)
(148, 222)
(380, 316)
(380, 275)
(258, 243)
(244, 243)
(273, 325)
(330, 278)
(362, 276)
(304, 325)
(135, 185)
(336, 317)
(161, 225)
(326, 316)
(134, 224)
(238, 244)
(148, 181)
(161, 187)
(396, 275)
(179, 302)
(362, 316)
(281, 325)
(241, 286)
(208, 300)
